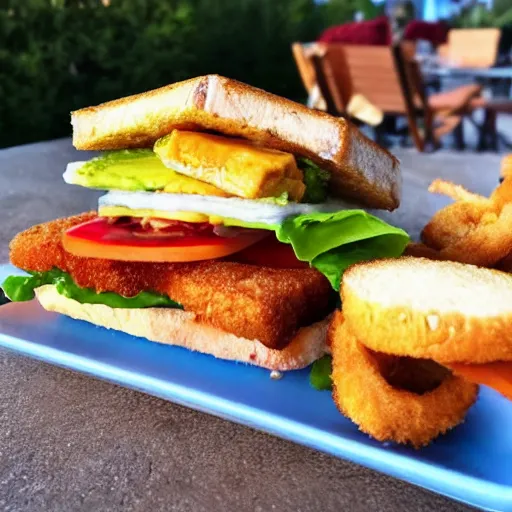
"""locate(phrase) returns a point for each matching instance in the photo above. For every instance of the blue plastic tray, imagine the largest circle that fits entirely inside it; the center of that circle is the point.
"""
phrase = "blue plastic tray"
(472, 464)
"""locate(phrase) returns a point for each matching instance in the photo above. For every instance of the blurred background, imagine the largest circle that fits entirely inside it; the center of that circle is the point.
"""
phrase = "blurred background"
(60, 55)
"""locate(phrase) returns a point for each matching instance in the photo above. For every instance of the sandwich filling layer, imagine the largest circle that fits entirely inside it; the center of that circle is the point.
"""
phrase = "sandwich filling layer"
(249, 301)
(23, 288)
(233, 165)
(203, 179)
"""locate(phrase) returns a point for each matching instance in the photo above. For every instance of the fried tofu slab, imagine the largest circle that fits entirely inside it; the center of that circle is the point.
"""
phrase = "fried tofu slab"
(253, 302)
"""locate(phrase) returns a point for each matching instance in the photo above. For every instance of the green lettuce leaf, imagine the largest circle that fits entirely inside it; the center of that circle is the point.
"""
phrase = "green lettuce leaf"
(331, 242)
(316, 181)
(320, 375)
(21, 288)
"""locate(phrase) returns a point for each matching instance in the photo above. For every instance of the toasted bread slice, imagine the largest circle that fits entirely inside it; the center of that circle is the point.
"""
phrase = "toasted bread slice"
(182, 328)
(253, 302)
(441, 310)
(360, 170)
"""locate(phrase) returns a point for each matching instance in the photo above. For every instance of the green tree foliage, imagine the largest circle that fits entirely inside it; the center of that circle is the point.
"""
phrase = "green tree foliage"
(477, 15)
(60, 55)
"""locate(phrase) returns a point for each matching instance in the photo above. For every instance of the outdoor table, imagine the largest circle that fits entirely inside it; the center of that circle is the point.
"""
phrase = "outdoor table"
(497, 89)
(503, 72)
(496, 79)
(71, 442)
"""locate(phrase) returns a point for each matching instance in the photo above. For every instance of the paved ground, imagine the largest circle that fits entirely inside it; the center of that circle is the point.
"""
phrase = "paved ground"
(69, 442)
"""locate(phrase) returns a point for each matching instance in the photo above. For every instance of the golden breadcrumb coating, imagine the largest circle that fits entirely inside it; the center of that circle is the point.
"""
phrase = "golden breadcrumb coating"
(380, 402)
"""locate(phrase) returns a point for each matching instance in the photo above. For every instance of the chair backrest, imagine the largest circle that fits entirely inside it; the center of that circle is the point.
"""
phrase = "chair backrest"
(409, 49)
(473, 47)
(443, 51)
(373, 73)
(304, 66)
(332, 77)
(387, 77)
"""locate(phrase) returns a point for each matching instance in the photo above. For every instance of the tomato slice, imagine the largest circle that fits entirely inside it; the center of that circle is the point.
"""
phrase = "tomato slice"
(495, 375)
(270, 252)
(182, 242)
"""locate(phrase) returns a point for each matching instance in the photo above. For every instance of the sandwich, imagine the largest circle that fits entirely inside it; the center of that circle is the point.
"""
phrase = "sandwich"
(414, 340)
(229, 217)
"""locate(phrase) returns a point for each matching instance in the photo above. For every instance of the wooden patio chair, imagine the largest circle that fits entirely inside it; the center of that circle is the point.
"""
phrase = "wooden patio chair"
(302, 55)
(391, 80)
(488, 130)
(304, 66)
(331, 77)
(472, 48)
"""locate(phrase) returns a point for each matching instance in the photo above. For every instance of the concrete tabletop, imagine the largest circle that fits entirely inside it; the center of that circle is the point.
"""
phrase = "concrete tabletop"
(69, 442)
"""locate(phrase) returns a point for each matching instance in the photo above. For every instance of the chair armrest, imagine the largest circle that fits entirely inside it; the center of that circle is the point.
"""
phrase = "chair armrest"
(455, 100)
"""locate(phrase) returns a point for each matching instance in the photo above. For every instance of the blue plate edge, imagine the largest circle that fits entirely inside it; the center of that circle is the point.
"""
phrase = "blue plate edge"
(309, 436)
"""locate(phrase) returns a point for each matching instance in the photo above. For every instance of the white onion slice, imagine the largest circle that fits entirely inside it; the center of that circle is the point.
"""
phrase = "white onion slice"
(246, 210)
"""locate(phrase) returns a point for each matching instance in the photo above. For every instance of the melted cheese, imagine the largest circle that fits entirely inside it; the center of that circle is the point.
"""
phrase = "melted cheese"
(232, 165)
(184, 185)
(122, 211)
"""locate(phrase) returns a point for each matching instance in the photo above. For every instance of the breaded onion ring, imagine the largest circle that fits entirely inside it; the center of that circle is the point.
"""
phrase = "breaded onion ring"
(456, 192)
(505, 264)
(419, 250)
(485, 244)
(506, 166)
(503, 193)
(474, 229)
(386, 411)
(471, 232)
(453, 223)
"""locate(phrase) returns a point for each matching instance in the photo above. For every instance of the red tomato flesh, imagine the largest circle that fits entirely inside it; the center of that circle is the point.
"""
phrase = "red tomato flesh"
(269, 252)
(179, 242)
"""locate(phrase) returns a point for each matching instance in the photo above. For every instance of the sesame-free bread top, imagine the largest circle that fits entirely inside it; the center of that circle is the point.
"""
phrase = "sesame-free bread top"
(360, 169)
(441, 310)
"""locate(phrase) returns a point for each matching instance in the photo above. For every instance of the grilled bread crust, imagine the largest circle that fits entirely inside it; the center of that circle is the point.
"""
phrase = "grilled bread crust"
(360, 169)
(441, 310)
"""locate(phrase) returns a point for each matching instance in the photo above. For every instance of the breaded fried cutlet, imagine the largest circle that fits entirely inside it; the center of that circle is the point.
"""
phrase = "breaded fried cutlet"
(252, 302)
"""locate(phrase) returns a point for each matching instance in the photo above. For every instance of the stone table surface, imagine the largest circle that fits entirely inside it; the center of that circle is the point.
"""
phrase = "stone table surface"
(70, 442)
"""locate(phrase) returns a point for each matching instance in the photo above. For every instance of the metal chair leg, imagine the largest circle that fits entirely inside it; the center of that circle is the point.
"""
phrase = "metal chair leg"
(458, 133)
(492, 130)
